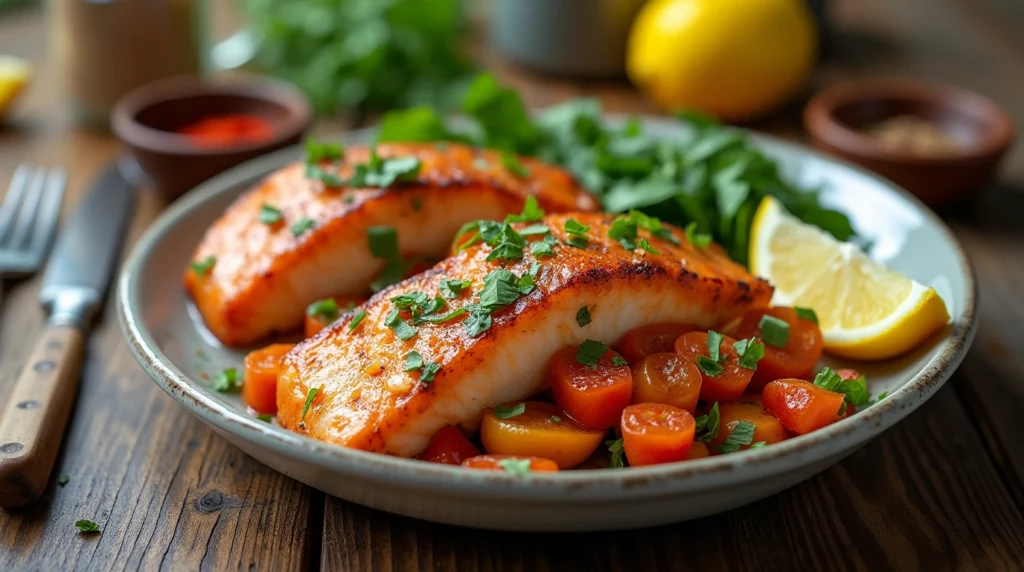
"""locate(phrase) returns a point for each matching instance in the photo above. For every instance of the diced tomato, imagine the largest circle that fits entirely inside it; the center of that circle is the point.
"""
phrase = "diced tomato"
(698, 451)
(500, 463)
(796, 359)
(541, 430)
(593, 396)
(655, 433)
(728, 385)
(766, 427)
(259, 388)
(641, 342)
(667, 378)
(449, 446)
(800, 405)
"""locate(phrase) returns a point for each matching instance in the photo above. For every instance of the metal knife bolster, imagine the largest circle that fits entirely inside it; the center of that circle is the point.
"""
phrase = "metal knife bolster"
(70, 306)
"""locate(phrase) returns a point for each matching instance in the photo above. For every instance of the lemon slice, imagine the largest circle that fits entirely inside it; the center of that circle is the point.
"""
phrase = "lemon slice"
(14, 74)
(865, 310)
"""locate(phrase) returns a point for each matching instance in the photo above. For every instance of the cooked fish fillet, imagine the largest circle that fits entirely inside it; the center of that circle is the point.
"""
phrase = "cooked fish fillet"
(264, 276)
(366, 399)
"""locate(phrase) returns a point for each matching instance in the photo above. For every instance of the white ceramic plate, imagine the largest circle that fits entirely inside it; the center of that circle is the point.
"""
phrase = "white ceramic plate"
(177, 352)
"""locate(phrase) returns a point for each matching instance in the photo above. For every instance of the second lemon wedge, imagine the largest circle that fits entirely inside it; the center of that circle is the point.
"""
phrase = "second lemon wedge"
(866, 311)
(14, 75)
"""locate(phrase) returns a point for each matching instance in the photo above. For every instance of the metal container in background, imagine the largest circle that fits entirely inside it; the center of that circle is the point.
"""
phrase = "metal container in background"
(571, 37)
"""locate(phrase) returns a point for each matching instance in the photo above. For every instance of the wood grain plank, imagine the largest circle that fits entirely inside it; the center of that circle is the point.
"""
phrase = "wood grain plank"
(923, 496)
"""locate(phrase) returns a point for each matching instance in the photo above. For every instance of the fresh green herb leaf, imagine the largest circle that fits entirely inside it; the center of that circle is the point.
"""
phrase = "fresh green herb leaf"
(203, 267)
(707, 425)
(326, 309)
(555, 419)
(742, 434)
(644, 245)
(87, 526)
(512, 165)
(413, 361)
(828, 379)
(501, 288)
(573, 226)
(697, 239)
(774, 331)
(856, 391)
(414, 124)
(63, 480)
(542, 248)
(430, 369)
(515, 466)
(842, 409)
(452, 289)
(526, 284)
(531, 212)
(270, 214)
(619, 361)
(506, 412)
(401, 328)
(420, 319)
(310, 396)
(383, 241)
(749, 352)
(356, 320)
(579, 241)
(265, 417)
(624, 230)
(317, 151)
(758, 445)
(508, 245)
(479, 320)
(617, 454)
(806, 314)
(709, 367)
(302, 225)
(534, 230)
(883, 395)
(715, 346)
(590, 352)
(229, 381)
(583, 316)
(410, 300)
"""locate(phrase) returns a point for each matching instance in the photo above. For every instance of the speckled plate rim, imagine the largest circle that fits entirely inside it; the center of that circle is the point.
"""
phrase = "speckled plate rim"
(644, 482)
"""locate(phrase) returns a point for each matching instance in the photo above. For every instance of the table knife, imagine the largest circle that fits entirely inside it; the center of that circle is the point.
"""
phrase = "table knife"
(74, 285)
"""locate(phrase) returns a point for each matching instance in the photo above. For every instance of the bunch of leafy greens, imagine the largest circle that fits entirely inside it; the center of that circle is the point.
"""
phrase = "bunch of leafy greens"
(714, 178)
(364, 54)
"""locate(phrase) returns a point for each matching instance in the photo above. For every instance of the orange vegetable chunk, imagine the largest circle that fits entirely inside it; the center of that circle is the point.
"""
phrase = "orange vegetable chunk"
(641, 342)
(655, 433)
(667, 378)
(593, 396)
(501, 463)
(259, 388)
(767, 428)
(698, 451)
(796, 359)
(541, 430)
(449, 446)
(728, 385)
(800, 405)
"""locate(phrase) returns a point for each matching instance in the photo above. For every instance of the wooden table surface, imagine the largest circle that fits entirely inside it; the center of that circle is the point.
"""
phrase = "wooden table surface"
(942, 490)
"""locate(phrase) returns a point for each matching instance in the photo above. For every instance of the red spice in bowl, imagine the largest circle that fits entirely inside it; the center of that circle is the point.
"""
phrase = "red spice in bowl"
(228, 130)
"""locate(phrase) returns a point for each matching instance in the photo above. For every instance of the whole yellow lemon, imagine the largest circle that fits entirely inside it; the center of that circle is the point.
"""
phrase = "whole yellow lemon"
(734, 59)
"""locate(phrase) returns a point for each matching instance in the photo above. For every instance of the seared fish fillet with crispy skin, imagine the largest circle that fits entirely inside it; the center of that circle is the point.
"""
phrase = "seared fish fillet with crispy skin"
(264, 276)
(366, 399)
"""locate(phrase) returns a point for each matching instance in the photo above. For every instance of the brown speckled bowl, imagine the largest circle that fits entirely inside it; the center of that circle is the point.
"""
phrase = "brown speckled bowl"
(147, 118)
(836, 119)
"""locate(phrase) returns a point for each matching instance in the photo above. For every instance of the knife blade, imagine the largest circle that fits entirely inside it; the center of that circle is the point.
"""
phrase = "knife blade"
(82, 262)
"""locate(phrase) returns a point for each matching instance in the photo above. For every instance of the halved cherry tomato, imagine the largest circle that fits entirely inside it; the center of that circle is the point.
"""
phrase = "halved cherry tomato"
(593, 396)
(667, 378)
(800, 405)
(728, 385)
(501, 463)
(316, 322)
(259, 388)
(449, 446)
(796, 359)
(698, 451)
(655, 433)
(641, 342)
(541, 430)
(749, 408)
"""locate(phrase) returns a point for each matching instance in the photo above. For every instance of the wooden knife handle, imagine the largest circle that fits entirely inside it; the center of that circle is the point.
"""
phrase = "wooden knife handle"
(37, 414)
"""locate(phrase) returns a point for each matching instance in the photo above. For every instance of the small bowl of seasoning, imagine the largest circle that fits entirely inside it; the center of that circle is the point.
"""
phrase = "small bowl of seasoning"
(185, 130)
(939, 142)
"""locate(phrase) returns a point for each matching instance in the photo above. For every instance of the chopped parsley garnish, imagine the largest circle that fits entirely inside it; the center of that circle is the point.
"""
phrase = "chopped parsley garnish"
(203, 267)
(583, 316)
(806, 314)
(526, 284)
(63, 480)
(623, 230)
(555, 419)
(508, 245)
(379, 172)
(697, 239)
(616, 454)
(452, 289)
(531, 212)
(534, 230)
(479, 320)
(512, 165)
(644, 245)
(401, 328)
(856, 391)
(326, 309)
(707, 425)
(356, 320)
(750, 352)
(410, 300)
(774, 331)
(515, 466)
(265, 417)
(228, 381)
(590, 352)
(413, 361)
(501, 288)
(87, 526)
(309, 400)
(270, 214)
(506, 412)
(828, 379)
(883, 395)
(430, 369)
(742, 434)
(317, 153)
(542, 248)
(709, 367)
(302, 225)
(577, 233)
(619, 361)
(758, 445)
(420, 319)
(383, 241)
(715, 346)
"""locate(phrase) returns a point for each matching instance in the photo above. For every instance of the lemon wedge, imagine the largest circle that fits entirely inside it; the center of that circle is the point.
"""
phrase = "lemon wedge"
(865, 310)
(14, 75)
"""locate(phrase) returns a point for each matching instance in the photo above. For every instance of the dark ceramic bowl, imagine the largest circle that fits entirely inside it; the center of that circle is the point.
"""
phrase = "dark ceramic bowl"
(146, 120)
(838, 117)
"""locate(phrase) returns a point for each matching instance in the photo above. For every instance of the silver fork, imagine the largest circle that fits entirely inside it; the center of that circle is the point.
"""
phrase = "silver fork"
(28, 218)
